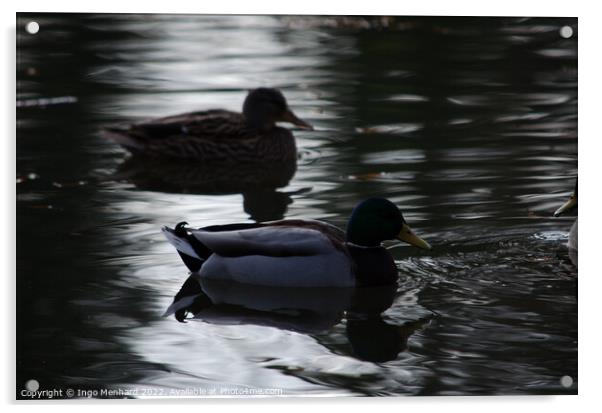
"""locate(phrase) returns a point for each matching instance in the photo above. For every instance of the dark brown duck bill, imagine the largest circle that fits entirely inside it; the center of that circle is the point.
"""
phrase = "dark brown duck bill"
(289, 116)
(407, 235)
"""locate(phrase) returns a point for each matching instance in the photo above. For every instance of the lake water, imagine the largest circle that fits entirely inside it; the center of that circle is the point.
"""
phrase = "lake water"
(469, 125)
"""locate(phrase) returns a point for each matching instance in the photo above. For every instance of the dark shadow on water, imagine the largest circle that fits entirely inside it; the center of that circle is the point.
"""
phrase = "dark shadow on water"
(302, 310)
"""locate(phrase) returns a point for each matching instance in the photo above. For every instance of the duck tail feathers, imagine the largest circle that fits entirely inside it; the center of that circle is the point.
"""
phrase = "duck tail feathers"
(186, 245)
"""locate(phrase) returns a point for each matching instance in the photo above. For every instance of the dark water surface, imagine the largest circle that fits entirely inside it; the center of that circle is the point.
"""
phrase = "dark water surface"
(469, 125)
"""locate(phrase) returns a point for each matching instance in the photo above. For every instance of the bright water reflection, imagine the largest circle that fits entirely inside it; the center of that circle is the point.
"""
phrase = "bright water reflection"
(469, 125)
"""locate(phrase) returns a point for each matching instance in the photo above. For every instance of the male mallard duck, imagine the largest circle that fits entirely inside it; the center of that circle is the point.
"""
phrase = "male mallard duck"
(218, 135)
(299, 253)
(567, 206)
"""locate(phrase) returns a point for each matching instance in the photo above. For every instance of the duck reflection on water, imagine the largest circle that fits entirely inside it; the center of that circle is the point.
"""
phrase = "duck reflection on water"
(257, 182)
(302, 310)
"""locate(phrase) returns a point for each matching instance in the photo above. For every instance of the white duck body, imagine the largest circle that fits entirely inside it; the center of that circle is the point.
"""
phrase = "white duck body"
(573, 236)
(572, 244)
(278, 256)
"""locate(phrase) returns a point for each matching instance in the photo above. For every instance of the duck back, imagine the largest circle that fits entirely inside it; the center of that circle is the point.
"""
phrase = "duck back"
(213, 136)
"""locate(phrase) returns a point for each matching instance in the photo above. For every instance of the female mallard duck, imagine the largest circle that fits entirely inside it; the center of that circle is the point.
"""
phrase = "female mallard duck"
(567, 206)
(299, 253)
(218, 135)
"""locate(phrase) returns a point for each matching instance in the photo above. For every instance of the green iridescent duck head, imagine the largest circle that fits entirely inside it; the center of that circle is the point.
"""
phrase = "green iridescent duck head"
(376, 220)
(263, 107)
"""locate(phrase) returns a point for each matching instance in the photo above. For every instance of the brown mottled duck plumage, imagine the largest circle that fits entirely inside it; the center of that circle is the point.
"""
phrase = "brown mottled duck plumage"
(218, 135)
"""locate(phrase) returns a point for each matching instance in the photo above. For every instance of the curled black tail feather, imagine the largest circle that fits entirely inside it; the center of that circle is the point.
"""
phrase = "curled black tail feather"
(193, 263)
(182, 231)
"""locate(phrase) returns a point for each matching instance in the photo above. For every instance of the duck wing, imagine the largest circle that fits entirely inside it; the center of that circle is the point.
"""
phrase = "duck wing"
(163, 133)
(276, 239)
(204, 124)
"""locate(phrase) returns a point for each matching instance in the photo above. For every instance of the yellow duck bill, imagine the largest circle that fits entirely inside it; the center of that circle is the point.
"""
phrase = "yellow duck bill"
(567, 206)
(407, 235)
